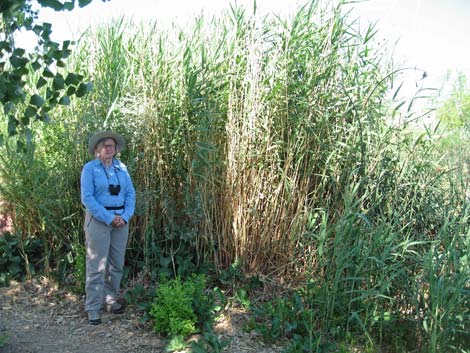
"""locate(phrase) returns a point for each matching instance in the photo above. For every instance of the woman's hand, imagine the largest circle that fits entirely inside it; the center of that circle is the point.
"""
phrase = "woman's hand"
(118, 222)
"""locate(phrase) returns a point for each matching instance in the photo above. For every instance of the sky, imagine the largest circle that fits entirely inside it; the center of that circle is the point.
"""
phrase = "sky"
(429, 34)
(432, 34)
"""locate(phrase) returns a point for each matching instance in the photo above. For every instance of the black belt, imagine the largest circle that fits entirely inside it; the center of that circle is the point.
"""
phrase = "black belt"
(114, 208)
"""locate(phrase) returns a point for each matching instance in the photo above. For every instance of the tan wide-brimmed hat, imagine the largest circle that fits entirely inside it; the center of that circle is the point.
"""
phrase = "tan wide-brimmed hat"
(120, 142)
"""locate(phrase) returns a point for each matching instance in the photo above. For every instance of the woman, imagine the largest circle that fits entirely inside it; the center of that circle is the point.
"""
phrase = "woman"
(108, 194)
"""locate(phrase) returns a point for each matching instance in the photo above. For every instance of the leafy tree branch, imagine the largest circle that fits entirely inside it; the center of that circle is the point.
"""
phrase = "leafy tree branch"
(33, 84)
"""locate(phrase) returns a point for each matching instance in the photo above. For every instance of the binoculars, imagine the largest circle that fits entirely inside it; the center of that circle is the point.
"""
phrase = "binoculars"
(114, 189)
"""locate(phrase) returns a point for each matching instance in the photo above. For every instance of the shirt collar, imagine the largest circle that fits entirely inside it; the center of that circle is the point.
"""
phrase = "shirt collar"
(114, 164)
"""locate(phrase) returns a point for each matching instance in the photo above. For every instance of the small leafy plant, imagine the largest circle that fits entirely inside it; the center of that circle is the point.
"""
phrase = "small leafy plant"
(181, 306)
(140, 297)
(289, 318)
(209, 343)
(11, 264)
(12, 257)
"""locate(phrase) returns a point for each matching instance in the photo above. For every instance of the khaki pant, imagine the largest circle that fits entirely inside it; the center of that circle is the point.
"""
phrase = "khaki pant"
(105, 250)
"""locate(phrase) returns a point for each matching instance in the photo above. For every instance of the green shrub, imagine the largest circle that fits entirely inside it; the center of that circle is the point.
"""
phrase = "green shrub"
(180, 306)
(13, 251)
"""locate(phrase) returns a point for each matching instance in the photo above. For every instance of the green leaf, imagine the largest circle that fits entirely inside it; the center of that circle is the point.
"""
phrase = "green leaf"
(21, 71)
(66, 44)
(48, 60)
(45, 118)
(53, 4)
(35, 65)
(73, 79)
(47, 73)
(25, 120)
(66, 53)
(41, 82)
(49, 93)
(20, 148)
(19, 52)
(69, 5)
(37, 100)
(71, 90)
(65, 100)
(56, 54)
(46, 30)
(37, 29)
(83, 3)
(15, 92)
(8, 107)
(58, 82)
(53, 46)
(17, 61)
(83, 89)
(46, 109)
(30, 112)
(28, 23)
(5, 45)
(12, 124)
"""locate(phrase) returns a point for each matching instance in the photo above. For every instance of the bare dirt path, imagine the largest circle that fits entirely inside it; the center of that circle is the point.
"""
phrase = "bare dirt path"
(39, 318)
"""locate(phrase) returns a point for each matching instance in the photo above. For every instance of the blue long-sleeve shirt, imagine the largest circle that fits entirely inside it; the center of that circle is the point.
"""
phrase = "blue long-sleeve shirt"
(95, 195)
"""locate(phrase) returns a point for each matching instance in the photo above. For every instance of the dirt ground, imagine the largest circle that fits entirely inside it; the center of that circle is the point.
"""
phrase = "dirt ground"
(39, 318)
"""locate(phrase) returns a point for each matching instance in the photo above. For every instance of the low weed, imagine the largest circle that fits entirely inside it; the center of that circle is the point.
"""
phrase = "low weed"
(209, 342)
(140, 297)
(76, 259)
(183, 307)
(176, 344)
(180, 307)
(287, 318)
(172, 309)
(13, 252)
(237, 286)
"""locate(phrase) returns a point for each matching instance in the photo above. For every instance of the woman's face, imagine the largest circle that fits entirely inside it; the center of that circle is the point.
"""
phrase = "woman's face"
(107, 150)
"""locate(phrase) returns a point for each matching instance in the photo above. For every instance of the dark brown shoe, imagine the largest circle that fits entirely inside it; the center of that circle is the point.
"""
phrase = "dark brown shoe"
(116, 308)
